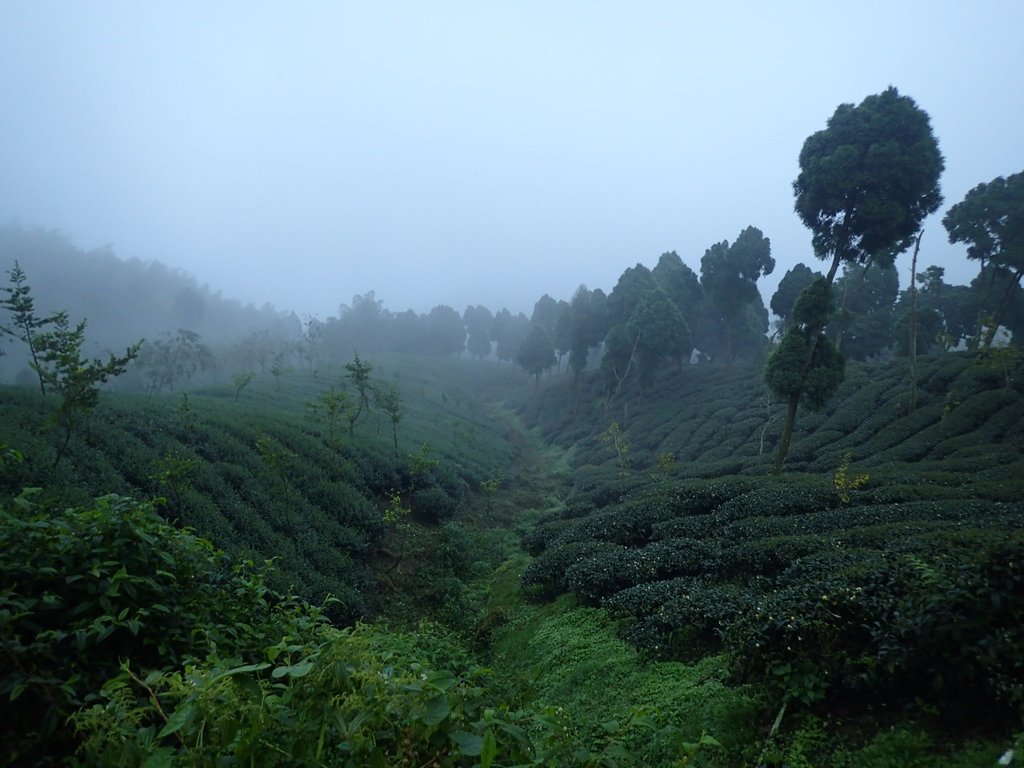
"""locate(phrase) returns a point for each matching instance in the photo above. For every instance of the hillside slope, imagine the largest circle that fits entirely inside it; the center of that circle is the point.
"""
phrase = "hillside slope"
(707, 421)
(266, 476)
(876, 586)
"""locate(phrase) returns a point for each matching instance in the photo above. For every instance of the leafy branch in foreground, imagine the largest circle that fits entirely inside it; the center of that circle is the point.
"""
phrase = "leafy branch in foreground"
(86, 588)
(62, 368)
(27, 325)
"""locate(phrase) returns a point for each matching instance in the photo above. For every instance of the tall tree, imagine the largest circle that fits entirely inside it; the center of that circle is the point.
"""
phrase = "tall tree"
(166, 362)
(445, 335)
(863, 324)
(990, 219)
(621, 342)
(508, 333)
(536, 353)
(790, 288)
(866, 183)
(587, 321)
(547, 313)
(478, 321)
(868, 180)
(632, 284)
(788, 373)
(662, 333)
(729, 276)
(946, 314)
(679, 282)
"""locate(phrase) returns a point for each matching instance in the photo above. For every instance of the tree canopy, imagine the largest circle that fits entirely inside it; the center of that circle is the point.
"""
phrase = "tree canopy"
(990, 219)
(729, 275)
(662, 332)
(792, 283)
(869, 179)
(536, 353)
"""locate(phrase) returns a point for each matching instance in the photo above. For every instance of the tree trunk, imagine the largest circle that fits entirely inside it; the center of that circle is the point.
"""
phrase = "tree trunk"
(913, 324)
(794, 399)
(842, 316)
(787, 433)
(975, 340)
(991, 332)
(622, 378)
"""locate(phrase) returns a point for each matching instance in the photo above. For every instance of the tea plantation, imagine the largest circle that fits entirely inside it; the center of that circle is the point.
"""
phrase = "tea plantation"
(501, 577)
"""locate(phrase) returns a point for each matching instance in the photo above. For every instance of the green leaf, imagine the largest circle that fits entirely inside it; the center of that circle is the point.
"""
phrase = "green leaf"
(292, 670)
(301, 670)
(162, 758)
(436, 710)
(178, 719)
(442, 681)
(611, 726)
(470, 744)
(709, 741)
(245, 669)
(489, 751)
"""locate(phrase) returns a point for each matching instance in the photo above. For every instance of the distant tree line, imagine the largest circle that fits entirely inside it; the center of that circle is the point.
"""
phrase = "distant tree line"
(866, 182)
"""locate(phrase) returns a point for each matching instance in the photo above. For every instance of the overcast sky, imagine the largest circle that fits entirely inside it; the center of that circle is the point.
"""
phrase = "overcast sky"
(481, 152)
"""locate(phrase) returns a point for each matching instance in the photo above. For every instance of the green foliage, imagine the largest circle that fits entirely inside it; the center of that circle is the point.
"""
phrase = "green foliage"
(572, 656)
(138, 644)
(864, 325)
(166, 363)
(890, 627)
(662, 332)
(536, 352)
(815, 594)
(788, 375)
(991, 219)
(173, 475)
(63, 369)
(790, 287)
(869, 179)
(844, 483)
(729, 275)
(331, 407)
(389, 400)
(359, 375)
(616, 438)
(20, 303)
(88, 587)
(240, 381)
(318, 515)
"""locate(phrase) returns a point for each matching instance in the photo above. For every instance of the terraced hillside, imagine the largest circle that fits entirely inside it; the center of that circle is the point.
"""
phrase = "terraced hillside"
(267, 472)
(883, 572)
(707, 421)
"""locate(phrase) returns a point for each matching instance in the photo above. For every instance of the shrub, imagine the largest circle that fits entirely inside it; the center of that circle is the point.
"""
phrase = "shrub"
(87, 587)
(893, 627)
(545, 575)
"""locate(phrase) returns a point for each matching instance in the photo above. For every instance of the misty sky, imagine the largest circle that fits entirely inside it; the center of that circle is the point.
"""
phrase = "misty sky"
(478, 152)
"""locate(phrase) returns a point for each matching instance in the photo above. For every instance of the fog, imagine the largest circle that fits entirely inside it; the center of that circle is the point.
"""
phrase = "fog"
(469, 153)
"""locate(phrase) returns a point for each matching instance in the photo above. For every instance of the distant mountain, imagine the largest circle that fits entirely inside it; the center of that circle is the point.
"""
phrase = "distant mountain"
(123, 301)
